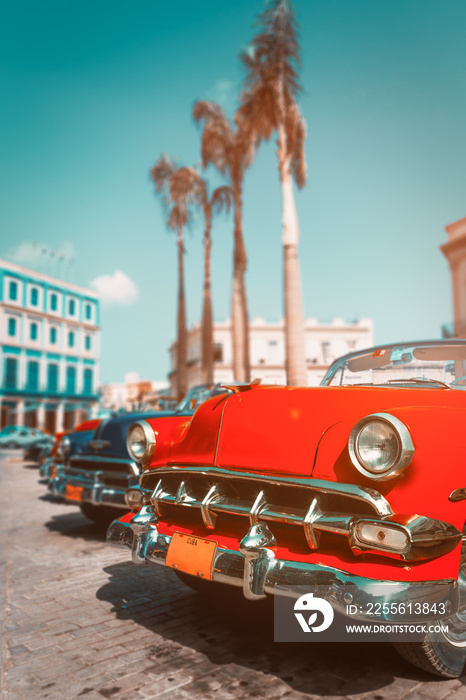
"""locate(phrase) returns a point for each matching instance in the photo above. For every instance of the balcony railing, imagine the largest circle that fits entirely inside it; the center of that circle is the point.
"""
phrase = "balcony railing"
(46, 393)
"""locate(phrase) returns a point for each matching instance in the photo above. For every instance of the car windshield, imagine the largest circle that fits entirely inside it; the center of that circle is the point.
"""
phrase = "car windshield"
(193, 398)
(198, 395)
(428, 364)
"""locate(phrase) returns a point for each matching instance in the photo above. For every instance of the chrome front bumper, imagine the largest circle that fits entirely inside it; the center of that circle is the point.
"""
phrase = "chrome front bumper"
(46, 469)
(93, 491)
(256, 570)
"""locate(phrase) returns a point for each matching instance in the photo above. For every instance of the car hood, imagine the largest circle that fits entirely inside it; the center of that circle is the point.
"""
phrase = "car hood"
(109, 440)
(79, 442)
(279, 430)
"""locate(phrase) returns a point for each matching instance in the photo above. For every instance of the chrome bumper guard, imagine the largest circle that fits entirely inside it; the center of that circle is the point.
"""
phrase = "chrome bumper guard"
(93, 491)
(256, 570)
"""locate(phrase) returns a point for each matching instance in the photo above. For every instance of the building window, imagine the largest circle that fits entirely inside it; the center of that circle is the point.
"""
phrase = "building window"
(52, 378)
(71, 339)
(13, 291)
(88, 312)
(88, 380)
(87, 342)
(53, 336)
(53, 302)
(325, 352)
(273, 343)
(12, 326)
(218, 352)
(70, 380)
(11, 373)
(33, 376)
(34, 297)
(71, 307)
(33, 331)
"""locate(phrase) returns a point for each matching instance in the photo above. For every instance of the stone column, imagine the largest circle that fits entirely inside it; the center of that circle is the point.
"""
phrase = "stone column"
(59, 417)
(41, 416)
(20, 412)
(455, 252)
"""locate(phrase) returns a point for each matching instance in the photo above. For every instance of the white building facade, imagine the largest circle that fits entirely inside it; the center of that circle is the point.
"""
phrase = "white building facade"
(50, 347)
(324, 343)
(130, 393)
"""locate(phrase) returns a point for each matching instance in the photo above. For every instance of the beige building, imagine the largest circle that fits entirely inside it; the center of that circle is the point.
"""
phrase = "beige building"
(455, 252)
(324, 343)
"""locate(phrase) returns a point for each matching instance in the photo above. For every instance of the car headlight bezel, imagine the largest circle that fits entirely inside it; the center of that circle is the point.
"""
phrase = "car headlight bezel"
(64, 447)
(404, 447)
(150, 442)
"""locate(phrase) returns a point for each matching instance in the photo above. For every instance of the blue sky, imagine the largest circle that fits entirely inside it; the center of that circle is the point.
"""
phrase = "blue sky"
(93, 93)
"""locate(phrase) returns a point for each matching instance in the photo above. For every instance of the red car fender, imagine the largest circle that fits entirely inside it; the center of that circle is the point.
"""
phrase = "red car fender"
(166, 430)
(437, 469)
(196, 442)
(87, 425)
(58, 437)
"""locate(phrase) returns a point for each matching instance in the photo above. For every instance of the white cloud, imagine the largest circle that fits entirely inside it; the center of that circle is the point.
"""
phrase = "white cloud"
(31, 254)
(116, 289)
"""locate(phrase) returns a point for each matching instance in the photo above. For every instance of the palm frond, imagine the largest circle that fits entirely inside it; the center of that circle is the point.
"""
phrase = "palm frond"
(222, 198)
(216, 134)
(162, 172)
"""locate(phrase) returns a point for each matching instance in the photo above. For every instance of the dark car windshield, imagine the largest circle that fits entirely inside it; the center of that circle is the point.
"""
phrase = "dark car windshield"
(434, 364)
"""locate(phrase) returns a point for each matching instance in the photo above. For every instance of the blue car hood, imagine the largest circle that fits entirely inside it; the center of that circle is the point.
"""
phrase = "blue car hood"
(114, 431)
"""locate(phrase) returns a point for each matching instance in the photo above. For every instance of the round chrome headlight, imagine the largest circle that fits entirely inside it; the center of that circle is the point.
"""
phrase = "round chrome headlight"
(64, 446)
(141, 441)
(380, 446)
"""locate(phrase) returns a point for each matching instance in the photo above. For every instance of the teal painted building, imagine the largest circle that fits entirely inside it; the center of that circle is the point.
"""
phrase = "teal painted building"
(50, 347)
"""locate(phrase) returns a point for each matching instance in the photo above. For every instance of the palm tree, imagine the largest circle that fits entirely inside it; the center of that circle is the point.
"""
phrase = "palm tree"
(231, 151)
(268, 104)
(220, 198)
(178, 187)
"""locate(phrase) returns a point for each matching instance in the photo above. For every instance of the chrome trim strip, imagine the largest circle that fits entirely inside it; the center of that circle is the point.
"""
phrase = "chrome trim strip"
(220, 428)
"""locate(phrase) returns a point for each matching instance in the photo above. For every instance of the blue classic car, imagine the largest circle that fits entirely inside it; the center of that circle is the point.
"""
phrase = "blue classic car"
(96, 473)
(18, 436)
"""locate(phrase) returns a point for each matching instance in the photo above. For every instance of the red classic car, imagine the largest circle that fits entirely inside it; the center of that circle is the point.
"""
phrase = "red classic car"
(359, 481)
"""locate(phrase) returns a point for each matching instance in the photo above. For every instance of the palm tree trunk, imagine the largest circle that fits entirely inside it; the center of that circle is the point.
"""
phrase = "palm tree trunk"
(181, 376)
(239, 306)
(207, 320)
(295, 347)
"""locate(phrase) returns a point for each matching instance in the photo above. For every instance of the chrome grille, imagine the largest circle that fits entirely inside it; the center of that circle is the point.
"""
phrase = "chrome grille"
(97, 464)
(109, 472)
(314, 506)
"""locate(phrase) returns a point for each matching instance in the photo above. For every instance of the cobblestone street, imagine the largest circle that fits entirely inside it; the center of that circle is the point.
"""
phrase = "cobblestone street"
(80, 621)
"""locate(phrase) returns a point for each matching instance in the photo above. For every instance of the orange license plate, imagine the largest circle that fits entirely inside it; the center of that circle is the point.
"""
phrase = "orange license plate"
(73, 493)
(192, 555)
